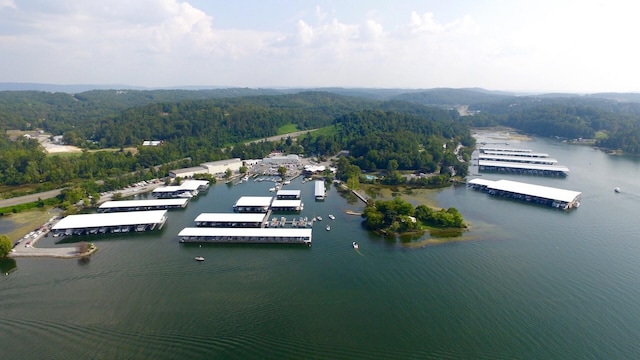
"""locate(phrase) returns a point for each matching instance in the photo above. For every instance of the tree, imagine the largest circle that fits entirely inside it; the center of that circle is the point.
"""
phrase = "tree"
(282, 171)
(228, 173)
(82, 247)
(5, 246)
(243, 169)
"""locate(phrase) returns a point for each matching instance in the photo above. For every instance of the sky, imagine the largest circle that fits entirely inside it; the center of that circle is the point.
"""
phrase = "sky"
(581, 46)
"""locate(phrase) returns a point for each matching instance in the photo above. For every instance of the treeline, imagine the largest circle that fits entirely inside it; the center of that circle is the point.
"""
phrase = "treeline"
(615, 124)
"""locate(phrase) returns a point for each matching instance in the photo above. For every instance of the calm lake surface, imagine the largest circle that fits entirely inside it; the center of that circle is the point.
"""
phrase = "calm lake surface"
(532, 283)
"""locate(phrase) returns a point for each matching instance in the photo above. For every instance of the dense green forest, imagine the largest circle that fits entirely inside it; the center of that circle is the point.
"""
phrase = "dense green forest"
(199, 130)
(390, 136)
(567, 117)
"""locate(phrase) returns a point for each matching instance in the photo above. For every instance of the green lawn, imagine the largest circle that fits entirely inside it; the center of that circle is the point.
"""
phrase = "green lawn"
(286, 129)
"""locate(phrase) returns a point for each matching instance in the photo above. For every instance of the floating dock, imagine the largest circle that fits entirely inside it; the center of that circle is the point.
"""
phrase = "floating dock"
(189, 188)
(143, 205)
(320, 192)
(259, 204)
(523, 168)
(288, 194)
(246, 235)
(287, 205)
(110, 223)
(544, 195)
(519, 161)
(243, 220)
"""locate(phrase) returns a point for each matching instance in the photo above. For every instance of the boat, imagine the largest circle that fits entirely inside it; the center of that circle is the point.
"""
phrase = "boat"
(617, 189)
(185, 195)
(355, 245)
(319, 218)
(199, 258)
(332, 217)
(272, 189)
(328, 228)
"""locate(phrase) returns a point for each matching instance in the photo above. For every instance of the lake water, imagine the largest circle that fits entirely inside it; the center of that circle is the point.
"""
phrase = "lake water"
(532, 283)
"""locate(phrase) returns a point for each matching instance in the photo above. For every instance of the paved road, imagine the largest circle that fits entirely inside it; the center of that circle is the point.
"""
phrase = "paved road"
(30, 198)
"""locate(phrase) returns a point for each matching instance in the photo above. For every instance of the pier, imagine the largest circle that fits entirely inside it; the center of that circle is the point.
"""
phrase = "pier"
(543, 195)
(143, 205)
(118, 222)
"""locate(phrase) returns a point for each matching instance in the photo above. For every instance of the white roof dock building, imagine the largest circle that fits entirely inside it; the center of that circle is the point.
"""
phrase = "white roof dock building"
(188, 188)
(246, 235)
(212, 168)
(523, 168)
(319, 190)
(518, 159)
(545, 195)
(259, 204)
(288, 194)
(251, 220)
(143, 205)
(110, 222)
(287, 205)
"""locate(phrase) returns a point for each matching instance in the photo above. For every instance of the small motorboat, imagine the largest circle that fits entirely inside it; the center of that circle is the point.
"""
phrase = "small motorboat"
(199, 258)
(332, 217)
(319, 218)
(355, 245)
(617, 189)
(328, 228)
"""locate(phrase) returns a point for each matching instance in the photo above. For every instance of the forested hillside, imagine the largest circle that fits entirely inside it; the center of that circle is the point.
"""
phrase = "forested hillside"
(618, 123)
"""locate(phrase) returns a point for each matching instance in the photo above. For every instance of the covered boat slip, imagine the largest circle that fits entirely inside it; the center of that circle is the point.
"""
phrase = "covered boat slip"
(246, 220)
(287, 205)
(515, 153)
(246, 235)
(288, 194)
(522, 168)
(110, 222)
(191, 187)
(518, 159)
(319, 190)
(484, 149)
(258, 204)
(143, 205)
(545, 195)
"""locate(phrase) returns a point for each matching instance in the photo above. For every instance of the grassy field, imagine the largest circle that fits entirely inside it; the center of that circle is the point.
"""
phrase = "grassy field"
(286, 129)
(27, 221)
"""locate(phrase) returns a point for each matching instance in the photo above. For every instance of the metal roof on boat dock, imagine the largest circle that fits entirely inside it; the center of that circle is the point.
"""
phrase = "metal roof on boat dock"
(540, 191)
(83, 221)
(524, 166)
(258, 232)
(483, 149)
(254, 201)
(518, 159)
(231, 217)
(278, 204)
(151, 203)
(281, 194)
(516, 153)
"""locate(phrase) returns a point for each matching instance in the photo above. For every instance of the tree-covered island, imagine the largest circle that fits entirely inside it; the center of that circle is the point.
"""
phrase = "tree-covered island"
(399, 216)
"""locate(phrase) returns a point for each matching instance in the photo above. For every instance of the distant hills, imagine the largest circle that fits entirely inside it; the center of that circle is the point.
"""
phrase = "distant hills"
(441, 97)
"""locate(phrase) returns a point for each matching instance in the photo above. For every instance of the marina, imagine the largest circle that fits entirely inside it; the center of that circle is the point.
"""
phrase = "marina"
(117, 222)
(142, 205)
(543, 195)
(245, 220)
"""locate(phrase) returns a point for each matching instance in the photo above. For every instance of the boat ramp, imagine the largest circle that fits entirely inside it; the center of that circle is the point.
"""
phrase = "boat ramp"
(543, 195)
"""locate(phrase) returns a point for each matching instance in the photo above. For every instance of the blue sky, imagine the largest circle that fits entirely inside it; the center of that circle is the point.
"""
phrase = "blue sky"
(524, 45)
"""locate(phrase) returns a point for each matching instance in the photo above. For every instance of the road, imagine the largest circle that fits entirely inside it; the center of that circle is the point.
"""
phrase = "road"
(29, 198)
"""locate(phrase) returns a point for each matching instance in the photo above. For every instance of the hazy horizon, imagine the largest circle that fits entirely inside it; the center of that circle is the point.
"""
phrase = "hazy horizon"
(527, 46)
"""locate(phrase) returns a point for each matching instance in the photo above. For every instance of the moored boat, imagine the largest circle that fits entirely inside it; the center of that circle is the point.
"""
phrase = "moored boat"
(199, 258)
(332, 217)
(328, 228)
(617, 189)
